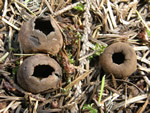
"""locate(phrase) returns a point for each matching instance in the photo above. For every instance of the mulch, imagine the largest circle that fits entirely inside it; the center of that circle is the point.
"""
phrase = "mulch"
(88, 27)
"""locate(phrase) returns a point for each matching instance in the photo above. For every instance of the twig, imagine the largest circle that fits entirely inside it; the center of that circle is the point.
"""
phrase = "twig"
(69, 7)
(10, 35)
(98, 41)
(143, 60)
(35, 107)
(4, 56)
(139, 48)
(146, 80)
(49, 111)
(110, 36)
(5, 8)
(142, 109)
(79, 68)
(131, 84)
(126, 97)
(40, 9)
(111, 89)
(5, 75)
(101, 4)
(6, 109)
(49, 7)
(86, 56)
(24, 7)
(143, 21)
(81, 77)
(110, 23)
(12, 25)
(10, 98)
(110, 98)
(111, 14)
(16, 54)
(144, 69)
(130, 101)
(134, 6)
(145, 54)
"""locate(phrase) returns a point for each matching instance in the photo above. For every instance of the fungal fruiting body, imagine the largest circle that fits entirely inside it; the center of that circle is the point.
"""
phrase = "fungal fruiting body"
(39, 73)
(40, 35)
(119, 59)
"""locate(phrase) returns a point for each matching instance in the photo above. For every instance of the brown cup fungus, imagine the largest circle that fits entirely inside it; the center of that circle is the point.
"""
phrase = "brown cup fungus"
(40, 35)
(119, 59)
(39, 73)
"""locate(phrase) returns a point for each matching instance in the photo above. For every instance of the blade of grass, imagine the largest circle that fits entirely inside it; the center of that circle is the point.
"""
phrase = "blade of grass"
(102, 88)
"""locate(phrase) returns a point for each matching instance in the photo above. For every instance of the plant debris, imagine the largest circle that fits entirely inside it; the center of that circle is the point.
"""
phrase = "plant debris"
(87, 28)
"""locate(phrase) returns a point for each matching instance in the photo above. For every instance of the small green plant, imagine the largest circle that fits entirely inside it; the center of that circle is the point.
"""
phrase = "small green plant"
(148, 32)
(90, 108)
(102, 88)
(15, 50)
(79, 7)
(71, 60)
(15, 69)
(98, 50)
(64, 90)
(79, 35)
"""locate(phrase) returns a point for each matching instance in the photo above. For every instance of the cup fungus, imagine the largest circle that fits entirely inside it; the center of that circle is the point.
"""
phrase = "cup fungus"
(40, 35)
(39, 73)
(119, 59)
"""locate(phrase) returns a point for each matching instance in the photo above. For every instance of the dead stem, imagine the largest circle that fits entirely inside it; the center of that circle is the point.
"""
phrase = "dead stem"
(130, 101)
(69, 7)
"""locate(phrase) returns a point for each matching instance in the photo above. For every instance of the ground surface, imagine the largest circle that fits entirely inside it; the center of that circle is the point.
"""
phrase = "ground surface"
(88, 27)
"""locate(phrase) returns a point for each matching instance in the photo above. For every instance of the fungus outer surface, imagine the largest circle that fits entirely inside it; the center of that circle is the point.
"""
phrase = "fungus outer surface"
(40, 35)
(39, 73)
(119, 59)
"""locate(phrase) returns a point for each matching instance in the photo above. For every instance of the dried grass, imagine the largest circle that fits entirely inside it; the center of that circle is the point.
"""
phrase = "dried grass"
(103, 22)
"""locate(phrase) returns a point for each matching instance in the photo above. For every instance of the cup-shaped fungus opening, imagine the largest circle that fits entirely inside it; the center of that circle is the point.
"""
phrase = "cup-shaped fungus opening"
(39, 73)
(42, 71)
(43, 25)
(119, 59)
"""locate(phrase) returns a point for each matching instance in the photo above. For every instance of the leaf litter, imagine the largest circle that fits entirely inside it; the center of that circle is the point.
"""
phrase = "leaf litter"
(88, 26)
